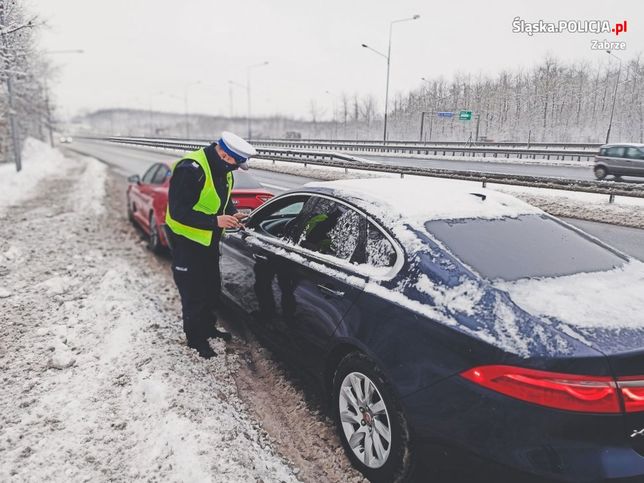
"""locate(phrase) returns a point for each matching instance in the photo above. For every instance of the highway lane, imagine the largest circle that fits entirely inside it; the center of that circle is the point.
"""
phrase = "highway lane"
(128, 160)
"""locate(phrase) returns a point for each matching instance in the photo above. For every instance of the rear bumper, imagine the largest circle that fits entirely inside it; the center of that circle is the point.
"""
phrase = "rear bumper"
(467, 433)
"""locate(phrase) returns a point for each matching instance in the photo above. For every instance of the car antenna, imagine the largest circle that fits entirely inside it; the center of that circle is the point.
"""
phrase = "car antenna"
(480, 195)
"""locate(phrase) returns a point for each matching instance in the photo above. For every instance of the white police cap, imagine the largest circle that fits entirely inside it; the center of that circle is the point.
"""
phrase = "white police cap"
(237, 148)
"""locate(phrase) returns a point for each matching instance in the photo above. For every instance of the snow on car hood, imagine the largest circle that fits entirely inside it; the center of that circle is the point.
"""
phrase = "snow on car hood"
(603, 309)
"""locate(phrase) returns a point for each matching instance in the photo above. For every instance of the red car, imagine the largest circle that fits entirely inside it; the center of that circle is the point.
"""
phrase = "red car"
(147, 199)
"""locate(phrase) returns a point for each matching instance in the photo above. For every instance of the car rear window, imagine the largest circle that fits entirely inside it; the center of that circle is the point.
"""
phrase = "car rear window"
(523, 247)
(245, 181)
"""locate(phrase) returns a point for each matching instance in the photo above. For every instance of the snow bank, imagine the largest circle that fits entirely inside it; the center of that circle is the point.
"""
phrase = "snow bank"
(90, 188)
(98, 383)
(39, 162)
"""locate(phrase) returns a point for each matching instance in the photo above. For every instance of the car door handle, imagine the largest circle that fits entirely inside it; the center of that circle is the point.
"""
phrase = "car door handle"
(257, 256)
(329, 291)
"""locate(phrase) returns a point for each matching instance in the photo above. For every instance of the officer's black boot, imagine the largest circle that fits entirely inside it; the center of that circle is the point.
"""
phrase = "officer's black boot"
(206, 351)
(203, 348)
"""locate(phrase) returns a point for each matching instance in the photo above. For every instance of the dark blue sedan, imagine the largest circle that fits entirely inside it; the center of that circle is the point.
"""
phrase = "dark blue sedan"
(461, 333)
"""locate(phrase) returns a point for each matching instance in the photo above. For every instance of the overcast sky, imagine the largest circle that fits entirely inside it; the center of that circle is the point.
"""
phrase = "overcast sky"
(147, 53)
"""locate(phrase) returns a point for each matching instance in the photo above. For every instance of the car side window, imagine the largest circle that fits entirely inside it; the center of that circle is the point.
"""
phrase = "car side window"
(149, 174)
(379, 250)
(331, 228)
(276, 217)
(634, 153)
(160, 175)
(615, 152)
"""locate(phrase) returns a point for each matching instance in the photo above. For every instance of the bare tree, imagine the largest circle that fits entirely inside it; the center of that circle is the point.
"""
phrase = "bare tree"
(23, 73)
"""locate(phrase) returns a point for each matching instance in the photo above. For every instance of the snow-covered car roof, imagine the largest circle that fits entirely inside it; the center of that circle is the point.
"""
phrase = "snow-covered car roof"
(423, 199)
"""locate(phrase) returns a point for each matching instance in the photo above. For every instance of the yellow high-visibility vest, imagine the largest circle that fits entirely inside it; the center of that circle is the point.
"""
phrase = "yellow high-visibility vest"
(208, 202)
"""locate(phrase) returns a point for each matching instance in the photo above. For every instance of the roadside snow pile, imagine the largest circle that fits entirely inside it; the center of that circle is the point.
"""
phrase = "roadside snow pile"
(39, 162)
(97, 381)
(623, 211)
(90, 188)
(371, 156)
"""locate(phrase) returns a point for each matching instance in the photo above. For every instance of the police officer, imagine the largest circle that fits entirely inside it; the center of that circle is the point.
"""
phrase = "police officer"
(199, 210)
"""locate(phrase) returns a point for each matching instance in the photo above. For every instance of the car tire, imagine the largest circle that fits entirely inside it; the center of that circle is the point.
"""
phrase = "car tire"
(600, 172)
(154, 239)
(130, 212)
(384, 453)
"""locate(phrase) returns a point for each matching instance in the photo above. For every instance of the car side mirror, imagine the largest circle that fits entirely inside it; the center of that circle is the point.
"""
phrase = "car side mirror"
(135, 178)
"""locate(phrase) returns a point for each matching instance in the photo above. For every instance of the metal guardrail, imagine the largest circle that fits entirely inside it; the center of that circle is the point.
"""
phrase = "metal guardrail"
(333, 160)
(190, 145)
(546, 151)
(483, 151)
(488, 144)
(482, 144)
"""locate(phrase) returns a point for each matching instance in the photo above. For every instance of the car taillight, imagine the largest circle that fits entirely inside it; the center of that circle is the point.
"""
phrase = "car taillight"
(571, 392)
(264, 198)
(632, 390)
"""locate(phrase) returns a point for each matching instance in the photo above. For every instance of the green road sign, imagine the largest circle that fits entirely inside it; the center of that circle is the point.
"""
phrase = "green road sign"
(465, 116)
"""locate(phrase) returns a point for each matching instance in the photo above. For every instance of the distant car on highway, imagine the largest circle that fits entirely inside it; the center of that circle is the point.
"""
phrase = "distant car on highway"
(455, 329)
(625, 159)
(147, 200)
(65, 139)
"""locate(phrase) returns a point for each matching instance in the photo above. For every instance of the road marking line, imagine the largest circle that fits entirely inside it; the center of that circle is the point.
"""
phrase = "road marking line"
(274, 186)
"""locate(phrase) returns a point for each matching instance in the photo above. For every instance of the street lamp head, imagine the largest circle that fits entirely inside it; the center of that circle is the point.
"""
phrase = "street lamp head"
(365, 46)
(415, 17)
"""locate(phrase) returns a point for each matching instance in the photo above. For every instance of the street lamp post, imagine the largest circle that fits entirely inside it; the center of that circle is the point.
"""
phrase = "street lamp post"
(232, 84)
(248, 69)
(388, 59)
(185, 106)
(612, 110)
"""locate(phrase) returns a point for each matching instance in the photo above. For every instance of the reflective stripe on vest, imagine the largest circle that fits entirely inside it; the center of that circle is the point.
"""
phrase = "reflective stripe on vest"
(208, 202)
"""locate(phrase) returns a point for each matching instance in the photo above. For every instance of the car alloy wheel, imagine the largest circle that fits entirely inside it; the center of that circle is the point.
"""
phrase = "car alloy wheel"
(365, 420)
(370, 420)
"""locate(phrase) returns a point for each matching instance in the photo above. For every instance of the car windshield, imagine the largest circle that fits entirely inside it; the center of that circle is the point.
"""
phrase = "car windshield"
(244, 181)
(523, 247)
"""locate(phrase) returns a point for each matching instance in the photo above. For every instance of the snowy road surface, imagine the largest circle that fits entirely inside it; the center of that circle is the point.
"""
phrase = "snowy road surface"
(133, 160)
(97, 382)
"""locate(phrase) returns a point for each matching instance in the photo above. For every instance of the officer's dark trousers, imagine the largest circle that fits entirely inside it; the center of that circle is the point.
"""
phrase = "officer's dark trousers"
(196, 273)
